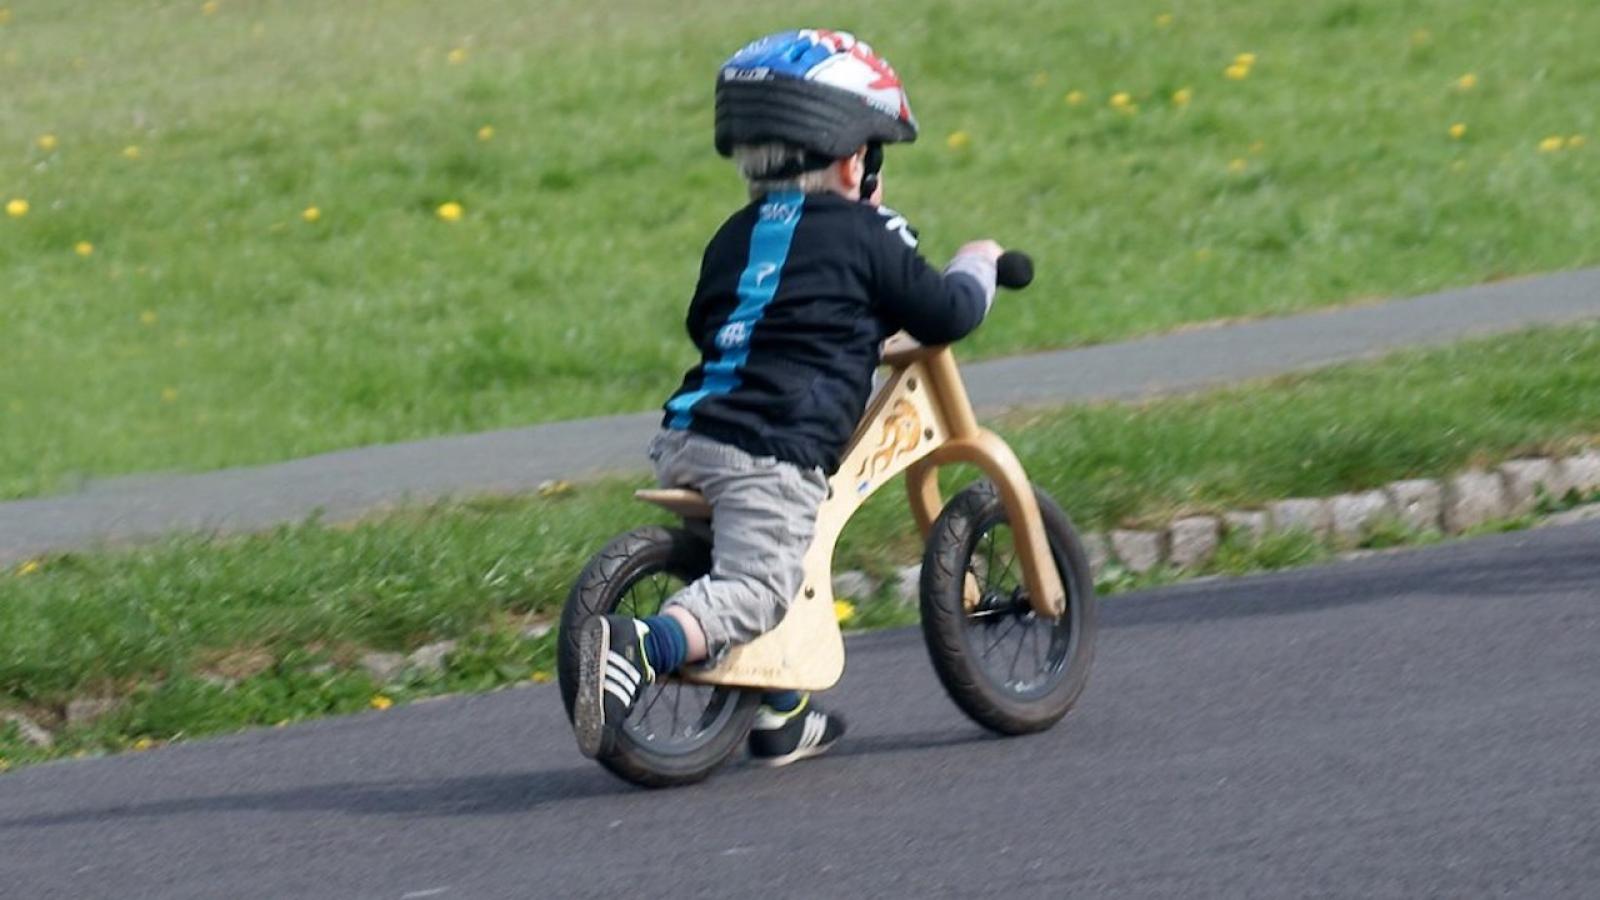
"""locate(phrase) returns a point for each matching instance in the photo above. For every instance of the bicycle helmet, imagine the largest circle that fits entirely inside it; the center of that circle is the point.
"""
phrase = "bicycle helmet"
(821, 90)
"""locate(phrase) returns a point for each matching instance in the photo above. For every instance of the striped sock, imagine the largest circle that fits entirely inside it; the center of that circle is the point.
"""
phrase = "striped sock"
(665, 645)
(783, 701)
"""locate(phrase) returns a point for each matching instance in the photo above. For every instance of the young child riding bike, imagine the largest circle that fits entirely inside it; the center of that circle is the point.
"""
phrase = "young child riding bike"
(797, 292)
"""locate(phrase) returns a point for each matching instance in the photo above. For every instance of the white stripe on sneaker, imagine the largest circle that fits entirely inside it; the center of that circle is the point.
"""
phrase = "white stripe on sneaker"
(617, 663)
(815, 725)
(619, 692)
(627, 690)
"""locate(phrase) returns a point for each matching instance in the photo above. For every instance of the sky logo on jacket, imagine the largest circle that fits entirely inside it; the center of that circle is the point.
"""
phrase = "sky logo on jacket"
(776, 221)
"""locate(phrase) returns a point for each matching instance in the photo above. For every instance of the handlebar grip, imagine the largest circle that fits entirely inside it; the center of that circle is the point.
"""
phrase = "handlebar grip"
(1014, 270)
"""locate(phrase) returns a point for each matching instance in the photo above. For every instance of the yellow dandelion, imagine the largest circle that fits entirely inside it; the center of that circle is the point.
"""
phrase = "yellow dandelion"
(1551, 144)
(1163, 20)
(209, 8)
(1039, 79)
(29, 567)
(1466, 82)
(958, 140)
(17, 208)
(46, 142)
(1121, 100)
(450, 212)
(540, 678)
(311, 214)
(169, 395)
(1237, 165)
(486, 133)
(1182, 96)
(381, 702)
(1237, 72)
(1074, 98)
(1576, 141)
(1244, 59)
(148, 317)
(131, 151)
(143, 744)
(457, 56)
(5, 15)
(83, 248)
(1458, 131)
(843, 610)
(555, 488)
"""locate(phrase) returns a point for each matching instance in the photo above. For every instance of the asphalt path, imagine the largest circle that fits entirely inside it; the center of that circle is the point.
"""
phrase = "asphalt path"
(349, 483)
(1418, 724)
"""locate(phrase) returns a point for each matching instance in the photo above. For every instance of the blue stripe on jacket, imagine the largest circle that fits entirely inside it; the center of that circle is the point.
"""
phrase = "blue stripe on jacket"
(769, 249)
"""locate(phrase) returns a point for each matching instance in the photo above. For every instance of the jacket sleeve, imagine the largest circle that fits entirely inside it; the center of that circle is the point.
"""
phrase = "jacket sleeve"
(933, 307)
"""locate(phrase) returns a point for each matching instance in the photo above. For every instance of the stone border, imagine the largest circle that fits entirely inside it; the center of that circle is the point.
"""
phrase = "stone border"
(1449, 505)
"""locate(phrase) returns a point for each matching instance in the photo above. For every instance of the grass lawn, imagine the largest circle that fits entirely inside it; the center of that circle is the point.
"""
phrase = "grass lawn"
(290, 612)
(232, 252)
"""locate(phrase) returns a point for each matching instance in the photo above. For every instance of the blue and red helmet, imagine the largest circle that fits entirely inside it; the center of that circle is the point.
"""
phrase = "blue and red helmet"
(821, 90)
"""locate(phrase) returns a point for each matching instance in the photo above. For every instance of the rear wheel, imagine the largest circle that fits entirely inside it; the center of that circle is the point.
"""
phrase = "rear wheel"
(679, 732)
(1008, 668)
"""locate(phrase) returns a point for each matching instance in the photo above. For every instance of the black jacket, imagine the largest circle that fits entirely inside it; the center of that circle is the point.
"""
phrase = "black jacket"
(796, 294)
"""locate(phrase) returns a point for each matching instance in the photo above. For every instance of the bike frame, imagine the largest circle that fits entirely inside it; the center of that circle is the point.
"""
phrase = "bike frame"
(919, 420)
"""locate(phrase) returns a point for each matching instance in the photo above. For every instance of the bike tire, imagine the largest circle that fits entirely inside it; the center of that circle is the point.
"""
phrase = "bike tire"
(600, 588)
(948, 627)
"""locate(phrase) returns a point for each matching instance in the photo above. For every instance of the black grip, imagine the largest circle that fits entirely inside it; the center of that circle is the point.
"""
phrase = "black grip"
(1014, 270)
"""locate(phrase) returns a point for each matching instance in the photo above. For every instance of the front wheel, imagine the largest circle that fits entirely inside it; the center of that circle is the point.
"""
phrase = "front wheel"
(1009, 669)
(679, 732)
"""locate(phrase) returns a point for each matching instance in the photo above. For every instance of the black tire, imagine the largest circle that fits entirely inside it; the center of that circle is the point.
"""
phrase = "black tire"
(722, 715)
(955, 635)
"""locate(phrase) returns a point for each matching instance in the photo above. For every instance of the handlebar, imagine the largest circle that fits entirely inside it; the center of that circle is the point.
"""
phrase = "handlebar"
(1014, 270)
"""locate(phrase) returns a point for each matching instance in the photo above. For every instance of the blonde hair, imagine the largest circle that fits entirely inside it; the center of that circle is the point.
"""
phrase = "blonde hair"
(756, 160)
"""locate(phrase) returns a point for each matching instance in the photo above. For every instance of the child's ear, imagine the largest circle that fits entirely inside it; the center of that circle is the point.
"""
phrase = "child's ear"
(852, 169)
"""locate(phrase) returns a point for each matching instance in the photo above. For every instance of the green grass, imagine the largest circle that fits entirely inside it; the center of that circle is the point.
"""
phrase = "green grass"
(213, 326)
(291, 611)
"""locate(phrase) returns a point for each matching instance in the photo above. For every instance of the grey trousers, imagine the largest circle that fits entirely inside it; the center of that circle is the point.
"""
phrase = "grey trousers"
(764, 514)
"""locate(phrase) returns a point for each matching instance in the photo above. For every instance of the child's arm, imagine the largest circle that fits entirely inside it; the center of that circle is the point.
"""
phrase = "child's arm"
(933, 307)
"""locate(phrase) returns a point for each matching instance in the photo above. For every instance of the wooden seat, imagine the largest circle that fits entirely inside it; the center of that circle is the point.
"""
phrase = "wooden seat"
(680, 502)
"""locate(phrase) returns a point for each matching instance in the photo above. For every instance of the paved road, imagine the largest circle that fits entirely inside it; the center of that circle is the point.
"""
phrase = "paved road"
(1422, 724)
(352, 482)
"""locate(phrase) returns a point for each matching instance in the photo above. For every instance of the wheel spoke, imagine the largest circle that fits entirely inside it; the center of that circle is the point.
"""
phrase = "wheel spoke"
(1022, 639)
(1011, 560)
(988, 566)
(654, 699)
(1010, 626)
(677, 698)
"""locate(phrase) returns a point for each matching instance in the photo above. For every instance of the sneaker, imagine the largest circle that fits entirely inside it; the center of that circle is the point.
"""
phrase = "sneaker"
(780, 738)
(612, 673)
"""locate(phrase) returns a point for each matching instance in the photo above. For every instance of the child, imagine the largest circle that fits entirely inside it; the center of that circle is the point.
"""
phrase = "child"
(797, 292)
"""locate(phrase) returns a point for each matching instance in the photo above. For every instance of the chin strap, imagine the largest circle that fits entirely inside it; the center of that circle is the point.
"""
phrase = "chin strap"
(872, 165)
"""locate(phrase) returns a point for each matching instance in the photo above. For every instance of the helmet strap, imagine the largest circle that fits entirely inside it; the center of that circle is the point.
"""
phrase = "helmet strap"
(872, 165)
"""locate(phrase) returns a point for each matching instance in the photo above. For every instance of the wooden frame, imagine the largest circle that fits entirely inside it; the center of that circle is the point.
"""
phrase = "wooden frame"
(918, 420)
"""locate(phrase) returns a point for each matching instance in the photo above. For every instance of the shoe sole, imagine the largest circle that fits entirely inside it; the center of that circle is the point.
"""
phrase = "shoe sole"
(775, 762)
(589, 707)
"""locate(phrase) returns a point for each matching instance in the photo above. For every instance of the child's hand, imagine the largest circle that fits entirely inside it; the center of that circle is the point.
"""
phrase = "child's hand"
(986, 249)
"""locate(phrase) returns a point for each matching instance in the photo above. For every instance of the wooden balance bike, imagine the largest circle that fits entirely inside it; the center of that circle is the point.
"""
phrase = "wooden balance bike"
(1007, 600)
